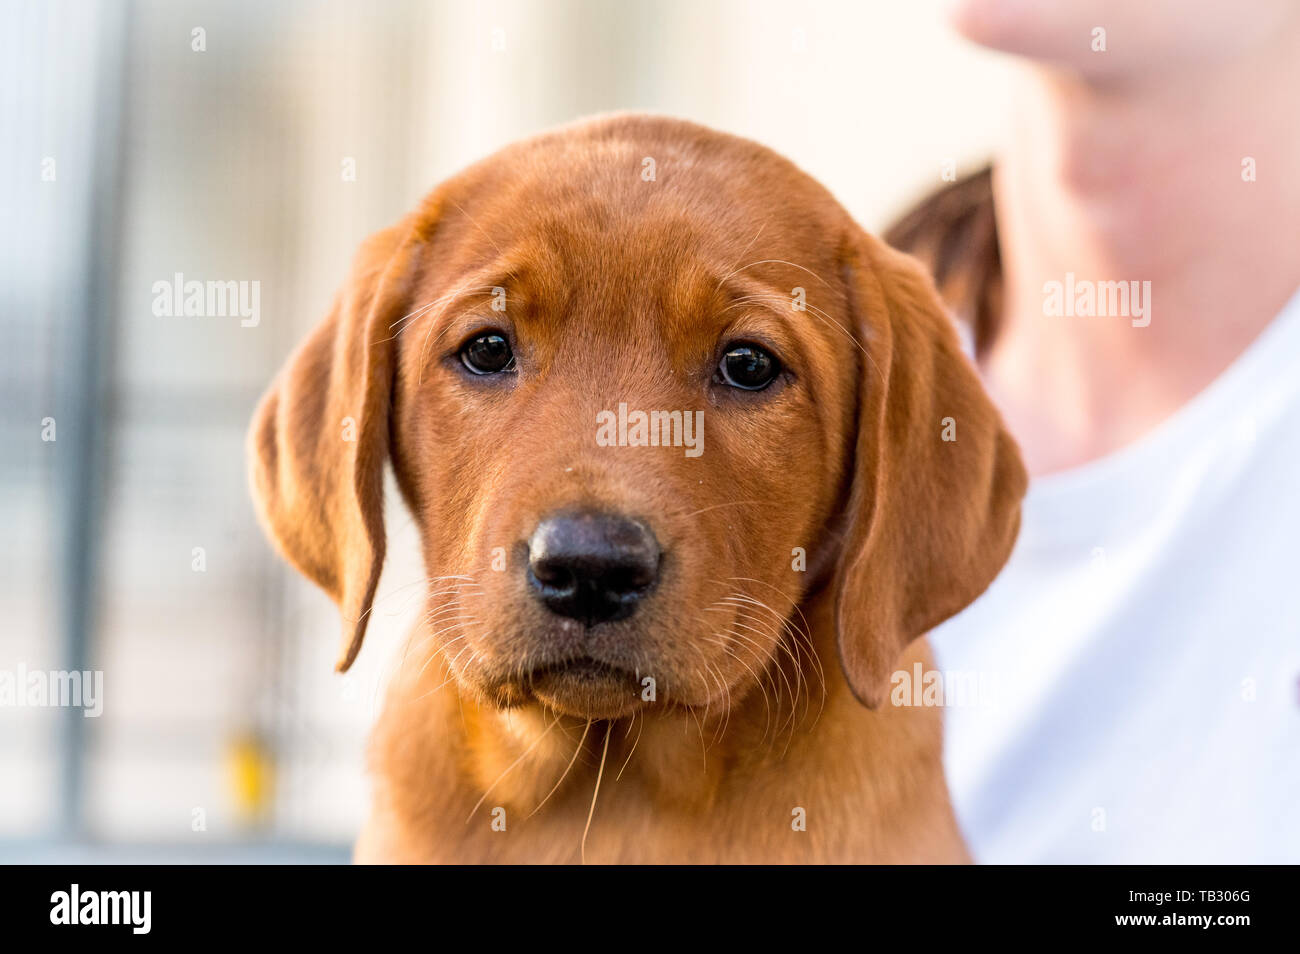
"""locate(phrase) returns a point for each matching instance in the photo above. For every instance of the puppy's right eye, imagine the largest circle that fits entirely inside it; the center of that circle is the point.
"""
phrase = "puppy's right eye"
(488, 354)
(748, 367)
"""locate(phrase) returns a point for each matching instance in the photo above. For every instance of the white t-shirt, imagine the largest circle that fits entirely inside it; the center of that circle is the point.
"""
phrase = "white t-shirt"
(1143, 644)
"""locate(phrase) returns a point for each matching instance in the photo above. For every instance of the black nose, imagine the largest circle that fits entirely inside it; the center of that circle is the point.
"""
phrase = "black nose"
(592, 567)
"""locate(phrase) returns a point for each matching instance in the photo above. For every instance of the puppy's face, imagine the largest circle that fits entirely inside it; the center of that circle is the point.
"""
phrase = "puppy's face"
(573, 322)
(644, 387)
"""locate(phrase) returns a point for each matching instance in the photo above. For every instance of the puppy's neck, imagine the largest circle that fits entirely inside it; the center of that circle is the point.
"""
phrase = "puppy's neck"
(528, 757)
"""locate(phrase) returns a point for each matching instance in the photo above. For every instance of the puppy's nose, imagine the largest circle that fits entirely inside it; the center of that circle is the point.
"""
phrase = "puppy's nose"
(592, 567)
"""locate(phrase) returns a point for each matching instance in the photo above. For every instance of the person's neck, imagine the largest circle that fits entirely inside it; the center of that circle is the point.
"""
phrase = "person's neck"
(1140, 183)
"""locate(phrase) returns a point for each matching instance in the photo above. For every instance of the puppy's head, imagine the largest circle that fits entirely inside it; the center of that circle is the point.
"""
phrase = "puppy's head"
(645, 387)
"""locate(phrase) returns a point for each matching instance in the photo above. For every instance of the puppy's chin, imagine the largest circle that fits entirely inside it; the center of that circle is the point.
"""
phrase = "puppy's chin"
(587, 689)
(583, 688)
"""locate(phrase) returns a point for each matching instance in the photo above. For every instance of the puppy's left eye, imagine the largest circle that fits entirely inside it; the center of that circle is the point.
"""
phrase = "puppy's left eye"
(488, 354)
(748, 367)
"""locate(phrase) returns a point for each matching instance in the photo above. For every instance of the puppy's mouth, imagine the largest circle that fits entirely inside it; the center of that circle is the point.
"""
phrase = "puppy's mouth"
(586, 687)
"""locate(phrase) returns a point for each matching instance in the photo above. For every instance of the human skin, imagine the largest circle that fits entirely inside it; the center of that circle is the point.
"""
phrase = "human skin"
(1127, 165)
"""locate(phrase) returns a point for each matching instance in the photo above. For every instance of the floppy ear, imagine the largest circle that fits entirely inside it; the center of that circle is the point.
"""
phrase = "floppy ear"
(931, 520)
(319, 438)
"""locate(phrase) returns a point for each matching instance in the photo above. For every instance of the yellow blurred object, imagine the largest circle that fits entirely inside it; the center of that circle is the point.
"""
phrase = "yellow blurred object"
(250, 769)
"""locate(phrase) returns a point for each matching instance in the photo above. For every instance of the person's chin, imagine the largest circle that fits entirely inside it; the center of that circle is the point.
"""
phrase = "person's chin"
(1055, 33)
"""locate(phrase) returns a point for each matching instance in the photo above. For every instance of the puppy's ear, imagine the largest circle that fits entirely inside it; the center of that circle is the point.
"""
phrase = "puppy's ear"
(319, 438)
(935, 502)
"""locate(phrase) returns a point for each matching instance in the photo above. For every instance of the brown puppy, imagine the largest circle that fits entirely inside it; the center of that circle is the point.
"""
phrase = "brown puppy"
(670, 653)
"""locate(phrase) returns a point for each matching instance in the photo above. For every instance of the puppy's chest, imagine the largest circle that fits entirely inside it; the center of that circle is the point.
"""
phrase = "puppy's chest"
(632, 831)
(783, 814)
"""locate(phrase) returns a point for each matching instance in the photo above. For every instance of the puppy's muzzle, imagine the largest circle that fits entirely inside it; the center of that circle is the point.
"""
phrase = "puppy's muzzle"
(592, 567)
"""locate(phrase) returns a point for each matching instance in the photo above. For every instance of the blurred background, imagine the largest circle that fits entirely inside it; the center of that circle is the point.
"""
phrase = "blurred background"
(260, 142)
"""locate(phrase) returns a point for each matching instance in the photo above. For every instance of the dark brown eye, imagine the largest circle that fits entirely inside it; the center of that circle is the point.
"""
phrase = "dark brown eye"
(488, 354)
(748, 367)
